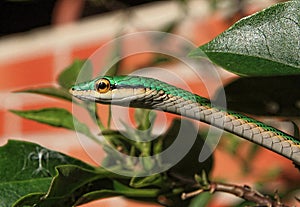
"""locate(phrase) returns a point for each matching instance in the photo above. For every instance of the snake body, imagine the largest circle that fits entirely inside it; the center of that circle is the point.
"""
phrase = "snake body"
(142, 92)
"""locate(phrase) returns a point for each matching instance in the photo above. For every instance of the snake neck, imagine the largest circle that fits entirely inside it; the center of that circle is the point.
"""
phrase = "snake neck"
(196, 107)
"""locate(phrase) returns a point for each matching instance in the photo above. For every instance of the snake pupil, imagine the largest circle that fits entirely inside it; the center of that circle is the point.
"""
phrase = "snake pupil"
(102, 85)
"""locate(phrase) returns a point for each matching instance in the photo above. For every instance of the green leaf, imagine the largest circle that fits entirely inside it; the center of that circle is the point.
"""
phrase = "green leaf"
(189, 165)
(151, 180)
(49, 91)
(135, 193)
(57, 117)
(12, 191)
(120, 189)
(28, 168)
(264, 44)
(201, 200)
(96, 195)
(70, 183)
(29, 199)
(74, 185)
(73, 73)
(263, 96)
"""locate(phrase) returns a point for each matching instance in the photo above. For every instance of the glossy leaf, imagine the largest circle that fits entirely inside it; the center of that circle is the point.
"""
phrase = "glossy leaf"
(27, 169)
(264, 44)
(71, 182)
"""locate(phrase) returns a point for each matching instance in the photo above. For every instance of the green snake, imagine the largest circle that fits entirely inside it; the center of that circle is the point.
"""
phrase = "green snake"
(142, 92)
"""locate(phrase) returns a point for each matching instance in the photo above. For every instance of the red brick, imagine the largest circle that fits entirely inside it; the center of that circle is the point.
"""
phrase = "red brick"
(207, 30)
(28, 72)
(2, 114)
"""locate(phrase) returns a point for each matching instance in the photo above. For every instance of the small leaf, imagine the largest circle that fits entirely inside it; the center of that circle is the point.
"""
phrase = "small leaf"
(264, 44)
(27, 168)
(50, 91)
(73, 74)
(151, 180)
(57, 117)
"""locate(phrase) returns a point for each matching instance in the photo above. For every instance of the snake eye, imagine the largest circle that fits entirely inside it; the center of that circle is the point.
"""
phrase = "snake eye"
(102, 85)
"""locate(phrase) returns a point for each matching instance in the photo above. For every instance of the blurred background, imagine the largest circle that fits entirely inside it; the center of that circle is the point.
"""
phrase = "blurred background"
(40, 38)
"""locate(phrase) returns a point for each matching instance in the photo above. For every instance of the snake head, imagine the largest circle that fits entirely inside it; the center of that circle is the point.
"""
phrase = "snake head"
(109, 90)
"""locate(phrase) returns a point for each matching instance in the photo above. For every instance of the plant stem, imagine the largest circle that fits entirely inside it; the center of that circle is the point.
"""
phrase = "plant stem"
(244, 192)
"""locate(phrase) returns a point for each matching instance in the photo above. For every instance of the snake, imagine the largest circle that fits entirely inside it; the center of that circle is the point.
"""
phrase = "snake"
(150, 93)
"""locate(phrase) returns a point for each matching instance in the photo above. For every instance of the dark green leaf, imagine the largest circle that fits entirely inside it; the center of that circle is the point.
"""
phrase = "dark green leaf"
(50, 91)
(79, 71)
(264, 44)
(27, 168)
(119, 189)
(189, 165)
(29, 199)
(23, 160)
(70, 184)
(57, 117)
(12, 191)
(75, 185)
(73, 177)
(264, 96)
(96, 195)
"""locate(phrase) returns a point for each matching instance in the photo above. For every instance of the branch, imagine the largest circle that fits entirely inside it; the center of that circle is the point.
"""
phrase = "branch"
(244, 192)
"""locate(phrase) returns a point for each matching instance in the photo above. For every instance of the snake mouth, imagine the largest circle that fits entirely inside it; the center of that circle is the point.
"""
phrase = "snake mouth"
(118, 97)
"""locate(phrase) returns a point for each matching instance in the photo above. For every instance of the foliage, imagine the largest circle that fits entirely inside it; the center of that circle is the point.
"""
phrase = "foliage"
(263, 44)
(46, 178)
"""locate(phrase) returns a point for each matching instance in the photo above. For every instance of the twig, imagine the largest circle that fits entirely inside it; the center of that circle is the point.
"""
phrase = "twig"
(244, 192)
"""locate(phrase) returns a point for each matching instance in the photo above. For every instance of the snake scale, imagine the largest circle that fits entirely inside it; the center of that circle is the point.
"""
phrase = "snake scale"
(143, 92)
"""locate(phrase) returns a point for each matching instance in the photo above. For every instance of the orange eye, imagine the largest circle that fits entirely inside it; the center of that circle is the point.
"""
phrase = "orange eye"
(102, 85)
